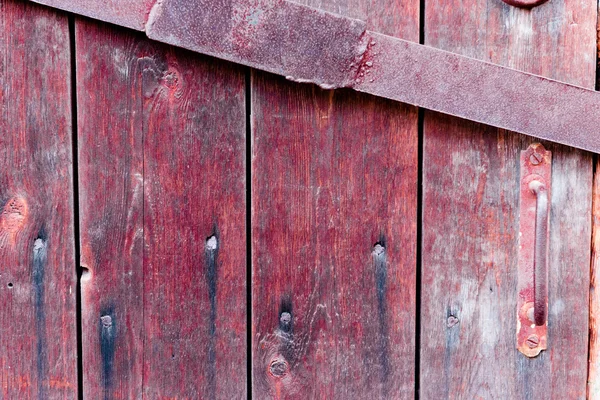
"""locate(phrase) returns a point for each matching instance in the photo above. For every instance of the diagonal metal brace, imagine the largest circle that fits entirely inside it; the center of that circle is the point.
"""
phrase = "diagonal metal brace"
(309, 45)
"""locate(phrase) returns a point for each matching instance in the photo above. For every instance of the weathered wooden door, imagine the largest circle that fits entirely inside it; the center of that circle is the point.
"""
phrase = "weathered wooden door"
(175, 226)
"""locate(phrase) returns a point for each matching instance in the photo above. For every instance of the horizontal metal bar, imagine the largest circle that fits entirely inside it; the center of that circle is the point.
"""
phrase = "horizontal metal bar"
(309, 45)
(484, 92)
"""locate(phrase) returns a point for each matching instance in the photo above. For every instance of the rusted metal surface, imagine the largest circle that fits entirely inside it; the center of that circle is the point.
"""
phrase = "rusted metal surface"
(532, 302)
(302, 43)
(129, 13)
(482, 92)
(540, 261)
(308, 45)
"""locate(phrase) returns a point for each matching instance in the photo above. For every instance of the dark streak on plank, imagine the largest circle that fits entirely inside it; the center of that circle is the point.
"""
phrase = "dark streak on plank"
(40, 259)
(380, 268)
(108, 333)
(212, 255)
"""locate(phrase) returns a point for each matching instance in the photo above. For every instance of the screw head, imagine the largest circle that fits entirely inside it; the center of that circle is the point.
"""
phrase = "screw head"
(106, 321)
(533, 341)
(285, 318)
(535, 158)
(451, 321)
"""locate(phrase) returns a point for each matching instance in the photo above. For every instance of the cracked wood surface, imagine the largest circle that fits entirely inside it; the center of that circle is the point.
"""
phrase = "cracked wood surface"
(162, 199)
(334, 234)
(471, 215)
(38, 342)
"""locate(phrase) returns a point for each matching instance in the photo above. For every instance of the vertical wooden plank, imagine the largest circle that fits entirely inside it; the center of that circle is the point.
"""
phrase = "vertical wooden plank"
(594, 362)
(110, 131)
(38, 343)
(471, 221)
(594, 351)
(162, 161)
(334, 233)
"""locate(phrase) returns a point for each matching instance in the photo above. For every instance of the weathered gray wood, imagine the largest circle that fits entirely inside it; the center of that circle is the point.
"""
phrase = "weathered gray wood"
(471, 221)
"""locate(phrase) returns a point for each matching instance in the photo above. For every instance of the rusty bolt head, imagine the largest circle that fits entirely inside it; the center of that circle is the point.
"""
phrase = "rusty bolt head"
(533, 341)
(535, 158)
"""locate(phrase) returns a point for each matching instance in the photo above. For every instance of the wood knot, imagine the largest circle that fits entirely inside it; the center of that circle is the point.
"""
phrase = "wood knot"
(14, 214)
(278, 368)
(170, 78)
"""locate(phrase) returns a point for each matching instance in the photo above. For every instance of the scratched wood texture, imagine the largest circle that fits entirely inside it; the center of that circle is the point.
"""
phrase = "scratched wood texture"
(334, 200)
(471, 221)
(162, 198)
(38, 343)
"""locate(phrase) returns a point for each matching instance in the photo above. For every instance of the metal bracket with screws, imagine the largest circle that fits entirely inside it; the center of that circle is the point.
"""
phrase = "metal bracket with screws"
(532, 308)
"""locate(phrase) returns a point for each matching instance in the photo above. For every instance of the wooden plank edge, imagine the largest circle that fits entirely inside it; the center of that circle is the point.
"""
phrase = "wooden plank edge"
(593, 389)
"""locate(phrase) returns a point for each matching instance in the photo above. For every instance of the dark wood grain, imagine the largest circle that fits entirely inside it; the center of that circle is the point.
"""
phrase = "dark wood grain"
(38, 343)
(471, 221)
(334, 234)
(162, 181)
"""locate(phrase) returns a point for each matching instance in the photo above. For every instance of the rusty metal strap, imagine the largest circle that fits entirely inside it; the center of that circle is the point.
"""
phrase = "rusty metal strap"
(308, 45)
